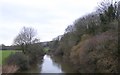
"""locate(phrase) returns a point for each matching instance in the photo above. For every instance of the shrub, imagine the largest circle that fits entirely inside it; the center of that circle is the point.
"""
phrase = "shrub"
(97, 54)
(18, 59)
(35, 52)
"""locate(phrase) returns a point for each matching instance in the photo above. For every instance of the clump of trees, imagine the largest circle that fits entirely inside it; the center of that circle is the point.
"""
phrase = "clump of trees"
(26, 37)
(109, 13)
(32, 51)
(91, 42)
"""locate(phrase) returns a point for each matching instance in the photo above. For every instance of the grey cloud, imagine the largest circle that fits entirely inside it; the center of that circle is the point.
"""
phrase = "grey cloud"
(27, 14)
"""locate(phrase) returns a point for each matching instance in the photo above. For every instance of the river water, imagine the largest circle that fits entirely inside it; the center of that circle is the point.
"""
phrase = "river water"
(52, 64)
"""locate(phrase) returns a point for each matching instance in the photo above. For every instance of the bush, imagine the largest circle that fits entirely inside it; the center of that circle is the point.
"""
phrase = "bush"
(18, 59)
(35, 52)
(98, 54)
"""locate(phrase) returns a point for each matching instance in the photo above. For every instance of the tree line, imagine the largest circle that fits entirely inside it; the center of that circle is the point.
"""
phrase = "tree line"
(32, 51)
(91, 42)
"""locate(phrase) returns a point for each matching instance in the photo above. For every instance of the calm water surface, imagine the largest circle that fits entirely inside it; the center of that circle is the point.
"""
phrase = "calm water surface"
(49, 66)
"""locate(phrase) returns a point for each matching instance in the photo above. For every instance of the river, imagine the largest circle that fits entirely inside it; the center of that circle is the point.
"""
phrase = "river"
(52, 64)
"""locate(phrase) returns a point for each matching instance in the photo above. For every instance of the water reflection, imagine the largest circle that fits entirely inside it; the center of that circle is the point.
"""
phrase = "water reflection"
(49, 67)
(65, 66)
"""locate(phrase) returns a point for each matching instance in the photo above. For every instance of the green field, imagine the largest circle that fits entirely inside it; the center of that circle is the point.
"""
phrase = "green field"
(5, 53)
(0, 57)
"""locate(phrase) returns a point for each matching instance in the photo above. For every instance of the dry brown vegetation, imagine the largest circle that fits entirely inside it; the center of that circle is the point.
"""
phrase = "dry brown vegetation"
(9, 69)
(97, 54)
(0, 69)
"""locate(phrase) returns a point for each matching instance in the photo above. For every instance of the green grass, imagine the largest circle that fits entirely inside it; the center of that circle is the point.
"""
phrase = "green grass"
(46, 49)
(5, 53)
(0, 57)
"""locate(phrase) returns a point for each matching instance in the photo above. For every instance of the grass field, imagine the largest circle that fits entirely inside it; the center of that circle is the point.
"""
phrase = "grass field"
(0, 57)
(5, 53)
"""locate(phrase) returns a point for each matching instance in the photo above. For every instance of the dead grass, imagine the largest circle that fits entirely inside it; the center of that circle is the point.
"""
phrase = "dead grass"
(9, 68)
(0, 70)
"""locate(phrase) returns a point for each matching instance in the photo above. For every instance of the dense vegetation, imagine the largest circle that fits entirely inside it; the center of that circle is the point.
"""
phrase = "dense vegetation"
(91, 43)
(31, 52)
(6, 54)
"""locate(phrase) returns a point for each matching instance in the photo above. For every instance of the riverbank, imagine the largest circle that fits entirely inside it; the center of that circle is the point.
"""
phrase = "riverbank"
(7, 69)
(18, 62)
(0, 69)
(10, 69)
(93, 54)
(66, 65)
(5, 54)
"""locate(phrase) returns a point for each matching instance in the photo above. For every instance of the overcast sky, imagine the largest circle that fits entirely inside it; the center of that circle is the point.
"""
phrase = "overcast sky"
(48, 17)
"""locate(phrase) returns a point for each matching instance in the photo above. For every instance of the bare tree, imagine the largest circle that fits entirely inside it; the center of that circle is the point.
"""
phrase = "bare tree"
(104, 5)
(118, 10)
(26, 37)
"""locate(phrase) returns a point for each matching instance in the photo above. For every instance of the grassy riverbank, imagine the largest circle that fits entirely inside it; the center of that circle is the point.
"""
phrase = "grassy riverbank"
(0, 57)
(5, 54)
